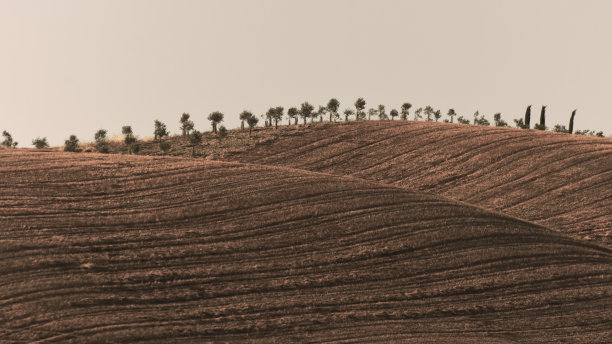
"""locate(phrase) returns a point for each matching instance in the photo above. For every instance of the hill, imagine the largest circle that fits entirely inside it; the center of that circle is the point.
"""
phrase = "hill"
(557, 180)
(110, 248)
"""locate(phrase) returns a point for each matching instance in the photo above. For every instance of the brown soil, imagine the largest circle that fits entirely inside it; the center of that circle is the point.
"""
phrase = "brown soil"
(111, 248)
(557, 180)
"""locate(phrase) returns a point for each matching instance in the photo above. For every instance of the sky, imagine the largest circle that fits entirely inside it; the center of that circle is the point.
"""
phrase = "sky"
(75, 66)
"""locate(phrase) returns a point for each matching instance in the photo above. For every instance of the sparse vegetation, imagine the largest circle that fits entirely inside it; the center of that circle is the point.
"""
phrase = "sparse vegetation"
(215, 118)
(130, 140)
(360, 105)
(8, 140)
(480, 119)
(499, 122)
(393, 113)
(451, 113)
(542, 124)
(72, 144)
(40, 142)
(101, 144)
(306, 111)
(187, 124)
(405, 111)
(332, 108)
(252, 122)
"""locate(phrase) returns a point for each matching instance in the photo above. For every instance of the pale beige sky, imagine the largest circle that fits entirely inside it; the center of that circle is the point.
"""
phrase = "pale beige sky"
(74, 66)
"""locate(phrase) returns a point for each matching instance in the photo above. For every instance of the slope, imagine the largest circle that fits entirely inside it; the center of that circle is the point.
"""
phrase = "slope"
(557, 180)
(124, 249)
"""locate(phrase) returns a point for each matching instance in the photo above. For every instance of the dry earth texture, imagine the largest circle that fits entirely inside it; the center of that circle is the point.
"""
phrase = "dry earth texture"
(110, 248)
(557, 180)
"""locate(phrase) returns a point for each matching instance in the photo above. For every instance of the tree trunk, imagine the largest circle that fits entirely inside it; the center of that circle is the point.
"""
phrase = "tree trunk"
(214, 126)
(242, 125)
(330, 116)
(250, 130)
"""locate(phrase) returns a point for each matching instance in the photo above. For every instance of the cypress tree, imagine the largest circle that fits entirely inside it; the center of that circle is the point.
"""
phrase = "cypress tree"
(527, 117)
(571, 123)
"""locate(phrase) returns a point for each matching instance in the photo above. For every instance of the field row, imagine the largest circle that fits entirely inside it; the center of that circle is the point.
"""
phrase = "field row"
(557, 180)
(122, 249)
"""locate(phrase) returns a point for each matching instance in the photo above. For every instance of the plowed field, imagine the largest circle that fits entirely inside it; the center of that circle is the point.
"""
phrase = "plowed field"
(560, 181)
(113, 248)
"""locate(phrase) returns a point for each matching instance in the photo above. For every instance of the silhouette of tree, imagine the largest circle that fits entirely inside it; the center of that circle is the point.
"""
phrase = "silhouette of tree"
(348, 113)
(417, 114)
(499, 122)
(429, 111)
(129, 138)
(451, 113)
(186, 124)
(293, 113)
(40, 142)
(160, 131)
(393, 114)
(571, 122)
(360, 104)
(8, 139)
(542, 124)
(382, 115)
(252, 122)
(332, 108)
(372, 112)
(244, 115)
(72, 144)
(405, 110)
(195, 139)
(306, 111)
(215, 118)
(527, 123)
(437, 115)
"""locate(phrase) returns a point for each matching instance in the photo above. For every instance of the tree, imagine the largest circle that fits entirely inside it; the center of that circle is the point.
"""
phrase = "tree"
(519, 123)
(100, 139)
(222, 132)
(437, 115)
(480, 120)
(129, 139)
(499, 122)
(293, 113)
(372, 112)
(40, 142)
(429, 111)
(160, 131)
(405, 110)
(244, 115)
(306, 111)
(527, 122)
(72, 144)
(360, 104)
(8, 139)
(417, 114)
(393, 114)
(195, 140)
(278, 115)
(462, 120)
(559, 129)
(348, 113)
(542, 124)
(332, 107)
(451, 113)
(382, 115)
(321, 112)
(215, 118)
(186, 124)
(252, 122)
(571, 122)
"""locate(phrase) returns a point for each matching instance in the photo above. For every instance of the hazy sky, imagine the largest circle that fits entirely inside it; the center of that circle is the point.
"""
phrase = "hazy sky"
(74, 66)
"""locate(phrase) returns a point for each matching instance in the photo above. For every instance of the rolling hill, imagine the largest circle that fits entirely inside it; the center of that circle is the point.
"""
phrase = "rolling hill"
(110, 248)
(557, 180)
